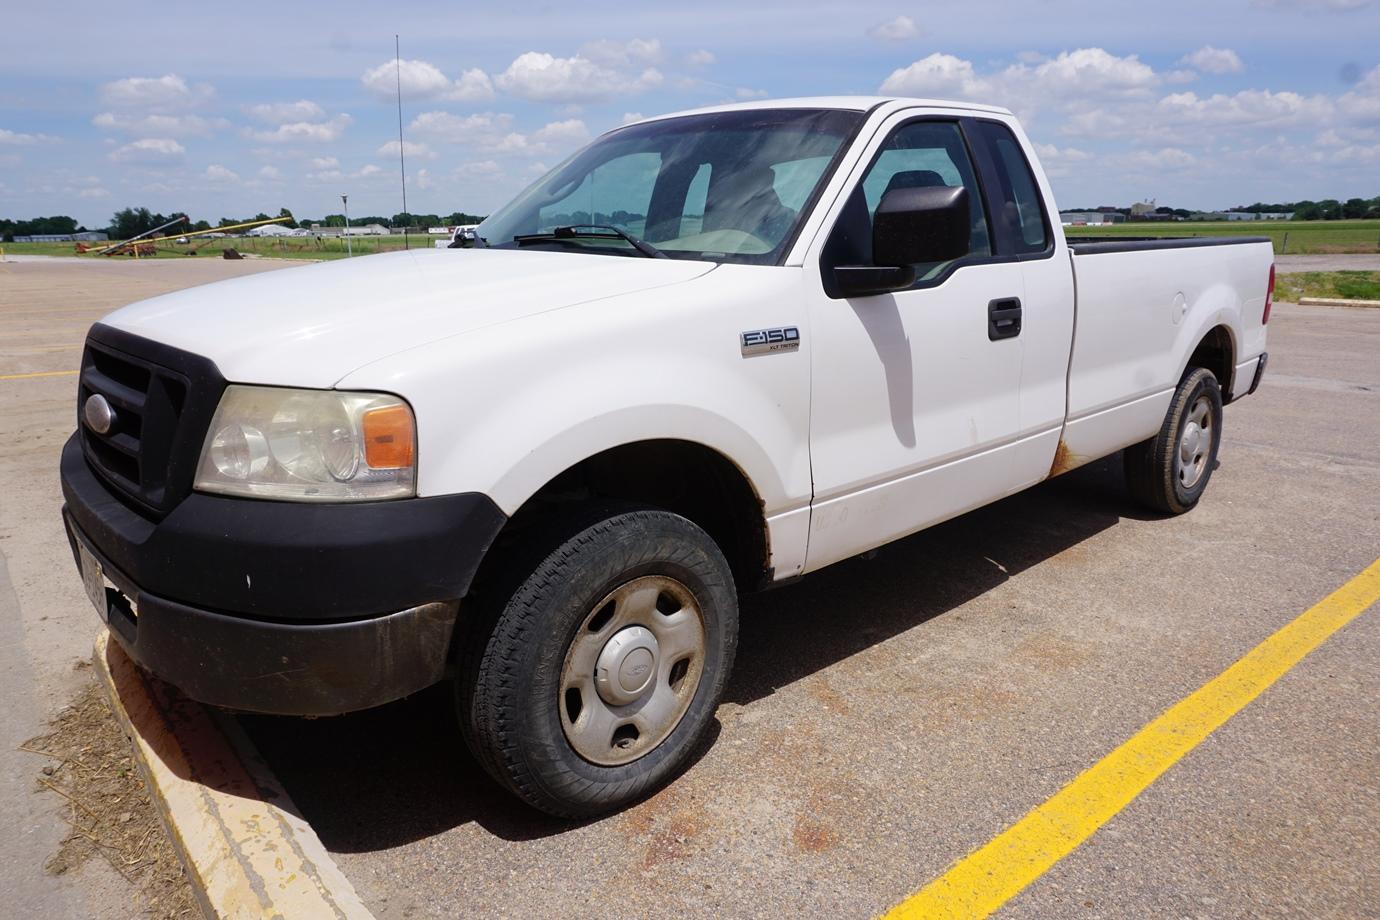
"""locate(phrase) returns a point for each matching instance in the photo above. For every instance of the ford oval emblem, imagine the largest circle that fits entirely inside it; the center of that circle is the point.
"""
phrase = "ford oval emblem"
(98, 413)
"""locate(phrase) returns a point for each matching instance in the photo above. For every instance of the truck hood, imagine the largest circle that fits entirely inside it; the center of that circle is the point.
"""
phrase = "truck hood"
(310, 326)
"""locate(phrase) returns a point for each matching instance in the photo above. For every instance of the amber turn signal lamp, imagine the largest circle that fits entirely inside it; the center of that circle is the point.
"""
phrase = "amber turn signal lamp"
(389, 438)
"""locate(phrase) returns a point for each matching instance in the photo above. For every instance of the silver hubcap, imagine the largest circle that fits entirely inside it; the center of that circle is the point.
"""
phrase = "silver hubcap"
(632, 670)
(1195, 444)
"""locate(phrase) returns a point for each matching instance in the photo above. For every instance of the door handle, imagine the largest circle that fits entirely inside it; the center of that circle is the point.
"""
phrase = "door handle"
(1004, 318)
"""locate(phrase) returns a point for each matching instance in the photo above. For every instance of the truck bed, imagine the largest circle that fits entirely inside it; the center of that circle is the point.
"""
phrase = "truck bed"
(1093, 245)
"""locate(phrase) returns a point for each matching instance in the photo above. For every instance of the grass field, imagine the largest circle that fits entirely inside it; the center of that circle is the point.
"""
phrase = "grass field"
(1346, 285)
(289, 247)
(1293, 236)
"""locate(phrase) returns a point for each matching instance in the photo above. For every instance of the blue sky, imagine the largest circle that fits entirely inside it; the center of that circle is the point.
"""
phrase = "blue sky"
(227, 110)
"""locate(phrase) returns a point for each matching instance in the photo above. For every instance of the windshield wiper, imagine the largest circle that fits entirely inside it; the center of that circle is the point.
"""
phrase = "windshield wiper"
(574, 231)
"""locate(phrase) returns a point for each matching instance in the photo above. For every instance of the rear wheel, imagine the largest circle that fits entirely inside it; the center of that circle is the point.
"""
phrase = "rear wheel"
(1170, 471)
(597, 677)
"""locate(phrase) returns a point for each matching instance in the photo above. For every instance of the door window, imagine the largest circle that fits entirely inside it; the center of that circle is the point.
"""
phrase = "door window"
(919, 154)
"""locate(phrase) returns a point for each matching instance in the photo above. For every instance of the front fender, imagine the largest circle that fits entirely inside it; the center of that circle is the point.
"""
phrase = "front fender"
(503, 410)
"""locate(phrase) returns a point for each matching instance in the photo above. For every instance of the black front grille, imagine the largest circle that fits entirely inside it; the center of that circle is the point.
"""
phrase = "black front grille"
(162, 398)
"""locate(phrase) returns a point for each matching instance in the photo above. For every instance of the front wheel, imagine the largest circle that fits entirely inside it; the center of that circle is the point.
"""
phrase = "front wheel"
(602, 671)
(1170, 471)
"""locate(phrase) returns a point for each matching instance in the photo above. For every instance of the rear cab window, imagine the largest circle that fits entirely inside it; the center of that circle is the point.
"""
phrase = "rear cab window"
(1018, 208)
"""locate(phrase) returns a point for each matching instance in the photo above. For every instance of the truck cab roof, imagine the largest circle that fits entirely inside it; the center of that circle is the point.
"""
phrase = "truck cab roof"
(846, 103)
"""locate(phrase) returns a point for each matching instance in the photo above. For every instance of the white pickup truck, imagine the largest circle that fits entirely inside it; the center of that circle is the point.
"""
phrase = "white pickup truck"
(710, 353)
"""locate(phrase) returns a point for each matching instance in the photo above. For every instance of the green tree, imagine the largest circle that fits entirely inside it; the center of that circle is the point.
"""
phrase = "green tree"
(1355, 208)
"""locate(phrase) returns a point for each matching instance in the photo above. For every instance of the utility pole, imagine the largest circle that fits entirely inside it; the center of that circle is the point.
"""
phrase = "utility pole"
(349, 249)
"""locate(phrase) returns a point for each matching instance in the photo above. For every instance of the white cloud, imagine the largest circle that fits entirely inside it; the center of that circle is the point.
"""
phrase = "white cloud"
(700, 58)
(281, 113)
(1166, 158)
(218, 173)
(639, 51)
(169, 92)
(540, 77)
(1248, 107)
(149, 150)
(483, 169)
(1060, 161)
(569, 132)
(473, 85)
(304, 131)
(479, 129)
(325, 163)
(16, 139)
(1087, 70)
(418, 79)
(160, 125)
(270, 172)
(744, 92)
(1361, 105)
(367, 171)
(424, 80)
(1213, 60)
(937, 75)
(93, 193)
(630, 117)
(410, 148)
(423, 179)
(900, 29)
(556, 137)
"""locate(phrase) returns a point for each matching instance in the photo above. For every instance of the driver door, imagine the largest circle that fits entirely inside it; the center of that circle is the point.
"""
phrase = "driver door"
(914, 403)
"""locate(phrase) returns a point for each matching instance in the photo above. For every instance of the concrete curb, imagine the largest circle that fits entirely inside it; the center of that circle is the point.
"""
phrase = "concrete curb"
(247, 851)
(1337, 302)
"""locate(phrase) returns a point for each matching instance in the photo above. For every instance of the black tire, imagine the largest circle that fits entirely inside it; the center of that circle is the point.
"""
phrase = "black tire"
(1156, 472)
(509, 696)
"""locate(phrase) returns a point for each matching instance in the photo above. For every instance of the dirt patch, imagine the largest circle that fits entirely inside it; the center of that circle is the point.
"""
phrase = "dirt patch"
(812, 835)
(106, 805)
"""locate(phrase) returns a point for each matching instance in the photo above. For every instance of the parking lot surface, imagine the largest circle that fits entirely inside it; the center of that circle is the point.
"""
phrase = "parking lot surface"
(886, 716)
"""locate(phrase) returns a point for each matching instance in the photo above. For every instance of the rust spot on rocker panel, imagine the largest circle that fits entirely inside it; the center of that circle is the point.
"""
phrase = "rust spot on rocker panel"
(1064, 460)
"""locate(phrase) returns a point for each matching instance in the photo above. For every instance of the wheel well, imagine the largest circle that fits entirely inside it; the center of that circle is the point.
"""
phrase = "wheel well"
(683, 477)
(1217, 354)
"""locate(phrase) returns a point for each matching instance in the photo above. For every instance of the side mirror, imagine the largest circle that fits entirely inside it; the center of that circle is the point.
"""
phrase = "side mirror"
(918, 225)
(912, 226)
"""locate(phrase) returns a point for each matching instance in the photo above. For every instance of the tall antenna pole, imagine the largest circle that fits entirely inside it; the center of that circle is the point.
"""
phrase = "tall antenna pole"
(402, 160)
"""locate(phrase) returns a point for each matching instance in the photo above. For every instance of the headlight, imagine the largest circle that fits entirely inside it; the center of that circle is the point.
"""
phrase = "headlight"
(309, 445)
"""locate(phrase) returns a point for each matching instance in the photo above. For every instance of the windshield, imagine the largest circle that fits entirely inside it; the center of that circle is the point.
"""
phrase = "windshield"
(724, 186)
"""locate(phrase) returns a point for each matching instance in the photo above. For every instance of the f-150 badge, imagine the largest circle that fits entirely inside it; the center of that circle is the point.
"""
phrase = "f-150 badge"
(771, 341)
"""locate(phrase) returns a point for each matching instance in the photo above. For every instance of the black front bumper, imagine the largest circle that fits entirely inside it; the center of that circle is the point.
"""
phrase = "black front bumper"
(283, 607)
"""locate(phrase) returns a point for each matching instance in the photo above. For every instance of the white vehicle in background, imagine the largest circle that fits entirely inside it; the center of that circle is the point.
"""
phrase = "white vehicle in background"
(459, 238)
(709, 354)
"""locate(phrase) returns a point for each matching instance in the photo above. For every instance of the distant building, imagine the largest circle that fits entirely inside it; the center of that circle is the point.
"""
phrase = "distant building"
(356, 230)
(1244, 215)
(1090, 218)
(90, 236)
(1143, 208)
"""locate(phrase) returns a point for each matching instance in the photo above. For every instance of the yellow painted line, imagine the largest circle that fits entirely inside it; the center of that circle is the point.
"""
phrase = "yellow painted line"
(990, 876)
(38, 374)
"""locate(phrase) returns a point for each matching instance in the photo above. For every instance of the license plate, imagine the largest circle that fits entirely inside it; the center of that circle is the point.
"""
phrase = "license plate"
(94, 579)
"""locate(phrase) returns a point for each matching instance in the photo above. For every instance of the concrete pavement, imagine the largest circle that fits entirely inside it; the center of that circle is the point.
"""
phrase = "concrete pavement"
(886, 716)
